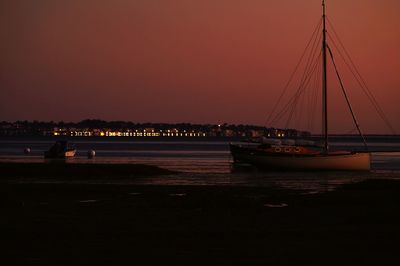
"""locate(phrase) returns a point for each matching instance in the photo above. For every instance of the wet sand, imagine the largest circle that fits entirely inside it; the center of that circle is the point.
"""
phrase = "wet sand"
(60, 168)
(103, 224)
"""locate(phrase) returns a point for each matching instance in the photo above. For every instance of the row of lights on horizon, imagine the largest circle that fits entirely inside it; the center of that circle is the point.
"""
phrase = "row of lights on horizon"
(131, 134)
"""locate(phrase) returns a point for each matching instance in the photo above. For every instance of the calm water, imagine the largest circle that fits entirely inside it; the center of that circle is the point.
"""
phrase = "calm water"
(205, 162)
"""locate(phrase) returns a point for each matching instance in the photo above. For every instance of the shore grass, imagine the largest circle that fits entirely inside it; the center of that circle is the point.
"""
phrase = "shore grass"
(60, 168)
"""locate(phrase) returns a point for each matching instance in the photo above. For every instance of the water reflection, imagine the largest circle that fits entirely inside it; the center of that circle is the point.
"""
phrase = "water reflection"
(202, 163)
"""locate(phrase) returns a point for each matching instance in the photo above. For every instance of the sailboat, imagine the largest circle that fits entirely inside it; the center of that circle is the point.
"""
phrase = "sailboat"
(290, 156)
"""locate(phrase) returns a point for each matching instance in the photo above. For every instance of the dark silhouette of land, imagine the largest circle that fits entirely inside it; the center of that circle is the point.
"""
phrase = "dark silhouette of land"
(59, 168)
(104, 224)
(95, 126)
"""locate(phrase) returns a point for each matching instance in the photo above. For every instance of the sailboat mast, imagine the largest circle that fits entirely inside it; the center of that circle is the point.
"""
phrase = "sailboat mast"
(324, 83)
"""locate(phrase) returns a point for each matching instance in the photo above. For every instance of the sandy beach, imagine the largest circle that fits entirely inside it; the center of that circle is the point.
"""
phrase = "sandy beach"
(104, 224)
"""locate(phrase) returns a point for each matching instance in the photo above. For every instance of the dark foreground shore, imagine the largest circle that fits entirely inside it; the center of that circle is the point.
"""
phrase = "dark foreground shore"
(60, 168)
(84, 224)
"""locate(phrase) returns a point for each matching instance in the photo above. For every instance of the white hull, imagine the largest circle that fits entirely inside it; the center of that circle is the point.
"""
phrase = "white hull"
(346, 162)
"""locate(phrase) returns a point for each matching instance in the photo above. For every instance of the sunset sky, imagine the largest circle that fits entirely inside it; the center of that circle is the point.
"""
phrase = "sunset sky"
(204, 61)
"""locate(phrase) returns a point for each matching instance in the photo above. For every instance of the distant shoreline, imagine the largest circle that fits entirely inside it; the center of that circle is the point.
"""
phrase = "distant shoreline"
(119, 138)
(235, 138)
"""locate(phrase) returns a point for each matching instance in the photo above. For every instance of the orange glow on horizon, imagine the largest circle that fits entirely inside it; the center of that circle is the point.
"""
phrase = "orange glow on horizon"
(185, 61)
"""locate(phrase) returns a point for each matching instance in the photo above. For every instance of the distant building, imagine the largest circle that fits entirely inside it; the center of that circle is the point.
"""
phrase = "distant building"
(98, 128)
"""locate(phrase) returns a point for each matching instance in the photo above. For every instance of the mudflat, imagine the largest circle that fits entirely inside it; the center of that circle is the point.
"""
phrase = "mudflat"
(105, 224)
(59, 168)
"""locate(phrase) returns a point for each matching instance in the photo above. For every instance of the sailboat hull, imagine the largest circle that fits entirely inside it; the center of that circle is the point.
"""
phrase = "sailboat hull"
(320, 162)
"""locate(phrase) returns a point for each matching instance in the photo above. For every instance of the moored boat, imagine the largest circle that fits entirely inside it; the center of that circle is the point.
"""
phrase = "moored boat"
(289, 156)
(61, 149)
(299, 158)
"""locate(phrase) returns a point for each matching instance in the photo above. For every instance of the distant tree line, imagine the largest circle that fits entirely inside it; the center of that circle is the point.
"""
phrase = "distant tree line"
(97, 123)
(38, 127)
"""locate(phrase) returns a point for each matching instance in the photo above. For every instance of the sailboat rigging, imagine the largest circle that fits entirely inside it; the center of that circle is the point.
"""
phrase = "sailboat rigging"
(324, 81)
(298, 155)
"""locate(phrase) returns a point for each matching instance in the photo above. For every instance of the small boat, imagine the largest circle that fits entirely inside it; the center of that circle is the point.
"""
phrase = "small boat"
(290, 156)
(60, 149)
